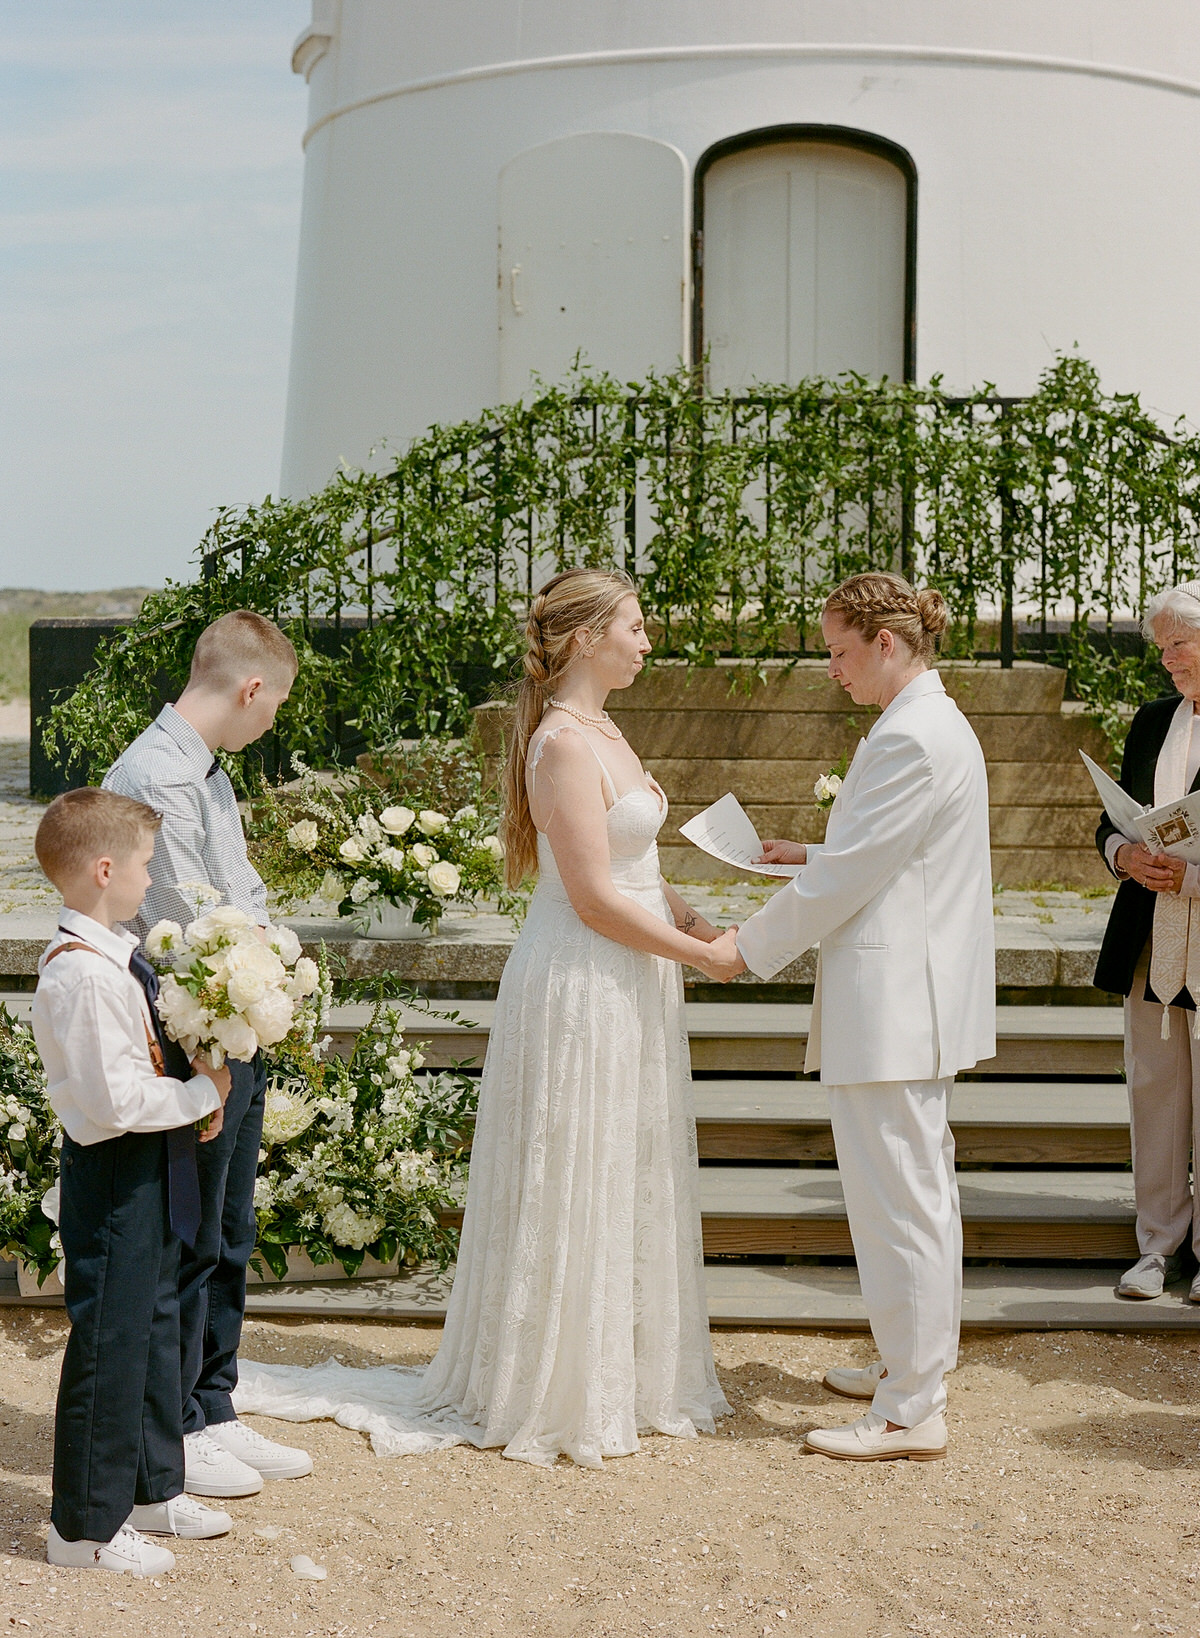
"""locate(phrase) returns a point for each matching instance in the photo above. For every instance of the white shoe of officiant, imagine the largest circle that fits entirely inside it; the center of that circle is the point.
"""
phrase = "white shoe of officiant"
(127, 1553)
(868, 1440)
(1146, 1279)
(181, 1516)
(265, 1456)
(208, 1470)
(854, 1384)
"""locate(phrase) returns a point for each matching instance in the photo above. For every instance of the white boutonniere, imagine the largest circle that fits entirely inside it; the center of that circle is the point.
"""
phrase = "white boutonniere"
(829, 784)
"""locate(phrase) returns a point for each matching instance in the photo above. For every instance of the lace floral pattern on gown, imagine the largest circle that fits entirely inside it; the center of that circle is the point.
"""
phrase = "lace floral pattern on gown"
(578, 1314)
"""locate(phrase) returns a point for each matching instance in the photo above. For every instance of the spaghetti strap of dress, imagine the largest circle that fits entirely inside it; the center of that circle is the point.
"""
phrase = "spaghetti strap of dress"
(535, 757)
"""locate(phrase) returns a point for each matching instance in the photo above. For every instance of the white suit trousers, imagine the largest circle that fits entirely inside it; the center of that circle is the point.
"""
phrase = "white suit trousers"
(896, 1159)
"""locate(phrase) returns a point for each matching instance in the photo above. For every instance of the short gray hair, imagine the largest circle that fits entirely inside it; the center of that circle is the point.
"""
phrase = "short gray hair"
(1178, 606)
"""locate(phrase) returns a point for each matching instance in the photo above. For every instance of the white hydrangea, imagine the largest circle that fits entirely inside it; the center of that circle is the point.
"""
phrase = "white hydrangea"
(392, 858)
(264, 1193)
(346, 1228)
(364, 888)
(370, 828)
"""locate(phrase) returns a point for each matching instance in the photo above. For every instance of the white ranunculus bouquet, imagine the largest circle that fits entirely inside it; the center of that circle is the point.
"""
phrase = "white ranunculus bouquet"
(224, 991)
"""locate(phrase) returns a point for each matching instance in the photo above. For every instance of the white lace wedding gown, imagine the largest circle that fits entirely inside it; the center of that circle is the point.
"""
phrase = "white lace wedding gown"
(578, 1313)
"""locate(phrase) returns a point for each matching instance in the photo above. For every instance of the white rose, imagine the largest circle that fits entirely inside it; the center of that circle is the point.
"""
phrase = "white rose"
(253, 957)
(16, 1133)
(304, 835)
(332, 889)
(352, 850)
(164, 938)
(391, 858)
(369, 826)
(469, 812)
(306, 979)
(396, 820)
(229, 915)
(284, 943)
(444, 878)
(244, 989)
(432, 822)
(236, 1037)
(494, 846)
(425, 856)
(271, 1018)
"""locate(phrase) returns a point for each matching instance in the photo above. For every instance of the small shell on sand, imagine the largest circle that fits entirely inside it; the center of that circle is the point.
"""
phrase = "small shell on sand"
(304, 1567)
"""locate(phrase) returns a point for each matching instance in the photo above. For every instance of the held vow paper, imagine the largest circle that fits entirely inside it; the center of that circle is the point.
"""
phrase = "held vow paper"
(1174, 828)
(725, 830)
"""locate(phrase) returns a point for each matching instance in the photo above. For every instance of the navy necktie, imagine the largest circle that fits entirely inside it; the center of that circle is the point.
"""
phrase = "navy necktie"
(183, 1177)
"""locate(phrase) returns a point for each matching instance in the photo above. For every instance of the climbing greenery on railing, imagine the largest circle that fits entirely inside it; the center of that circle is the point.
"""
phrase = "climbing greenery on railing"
(404, 587)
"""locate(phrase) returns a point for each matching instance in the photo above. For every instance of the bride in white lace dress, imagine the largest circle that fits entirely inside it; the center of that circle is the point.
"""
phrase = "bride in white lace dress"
(578, 1314)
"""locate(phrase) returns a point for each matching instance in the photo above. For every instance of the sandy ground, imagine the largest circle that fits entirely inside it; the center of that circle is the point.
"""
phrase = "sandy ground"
(1070, 1503)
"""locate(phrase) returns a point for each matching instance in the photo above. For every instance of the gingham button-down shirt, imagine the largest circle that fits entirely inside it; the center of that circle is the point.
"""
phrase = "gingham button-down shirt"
(201, 840)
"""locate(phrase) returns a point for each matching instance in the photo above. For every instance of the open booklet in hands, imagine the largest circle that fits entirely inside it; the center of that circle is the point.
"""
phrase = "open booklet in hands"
(727, 832)
(1172, 828)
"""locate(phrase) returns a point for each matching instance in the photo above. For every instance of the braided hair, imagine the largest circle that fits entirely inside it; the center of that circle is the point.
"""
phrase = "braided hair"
(878, 601)
(573, 600)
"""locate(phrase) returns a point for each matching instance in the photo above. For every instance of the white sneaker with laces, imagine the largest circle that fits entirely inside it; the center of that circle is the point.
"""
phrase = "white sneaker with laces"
(180, 1516)
(265, 1456)
(852, 1384)
(868, 1440)
(210, 1471)
(127, 1552)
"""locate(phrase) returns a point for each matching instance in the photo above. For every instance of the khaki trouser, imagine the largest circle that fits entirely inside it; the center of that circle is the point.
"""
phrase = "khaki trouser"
(1163, 1081)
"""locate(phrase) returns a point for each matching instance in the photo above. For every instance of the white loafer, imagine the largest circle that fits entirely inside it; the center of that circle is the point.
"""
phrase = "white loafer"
(868, 1440)
(127, 1553)
(854, 1384)
(265, 1456)
(1147, 1278)
(182, 1516)
(210, 1471)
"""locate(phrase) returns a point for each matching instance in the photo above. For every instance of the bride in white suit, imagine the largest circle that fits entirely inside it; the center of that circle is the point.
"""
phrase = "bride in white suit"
(899, 898)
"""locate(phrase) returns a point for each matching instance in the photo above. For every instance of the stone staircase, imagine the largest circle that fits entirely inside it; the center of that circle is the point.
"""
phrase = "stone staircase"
(703, 732)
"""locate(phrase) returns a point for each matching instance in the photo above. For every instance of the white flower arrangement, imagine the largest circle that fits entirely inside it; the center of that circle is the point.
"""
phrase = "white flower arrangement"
(223, 991)
(829, 784)
(349, 845)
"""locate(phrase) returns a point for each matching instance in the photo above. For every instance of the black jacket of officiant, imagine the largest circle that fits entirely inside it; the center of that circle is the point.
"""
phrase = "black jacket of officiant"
(1132, 914)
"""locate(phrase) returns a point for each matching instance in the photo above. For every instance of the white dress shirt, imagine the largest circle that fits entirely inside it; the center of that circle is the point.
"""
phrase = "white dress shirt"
(90, 1017)
(171, 768)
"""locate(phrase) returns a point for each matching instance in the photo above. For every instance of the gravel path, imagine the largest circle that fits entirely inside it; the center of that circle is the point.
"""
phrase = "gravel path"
(1069, 1504)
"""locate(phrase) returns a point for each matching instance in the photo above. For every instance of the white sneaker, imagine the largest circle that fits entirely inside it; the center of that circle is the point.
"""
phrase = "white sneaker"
(868, 1440)
(852, 1384)
(210, 1471)
(265, 1456)
(1146, 1279)
(127, 1552)
(181, 1516)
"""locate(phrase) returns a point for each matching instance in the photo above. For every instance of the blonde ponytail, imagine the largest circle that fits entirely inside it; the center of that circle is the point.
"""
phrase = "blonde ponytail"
(574, 599)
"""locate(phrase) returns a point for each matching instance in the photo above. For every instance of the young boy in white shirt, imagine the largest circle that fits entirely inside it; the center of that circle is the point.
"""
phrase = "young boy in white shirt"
(128, 1193)
(243, 667)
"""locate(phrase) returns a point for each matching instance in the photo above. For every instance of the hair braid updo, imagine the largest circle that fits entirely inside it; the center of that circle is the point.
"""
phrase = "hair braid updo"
(575, 600)
(878, 601)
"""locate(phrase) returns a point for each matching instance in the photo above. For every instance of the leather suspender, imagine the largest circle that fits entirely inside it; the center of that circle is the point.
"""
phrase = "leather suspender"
(152, 1046)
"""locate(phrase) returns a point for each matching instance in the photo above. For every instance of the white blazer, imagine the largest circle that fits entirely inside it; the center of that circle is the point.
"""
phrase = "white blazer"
(899, 898)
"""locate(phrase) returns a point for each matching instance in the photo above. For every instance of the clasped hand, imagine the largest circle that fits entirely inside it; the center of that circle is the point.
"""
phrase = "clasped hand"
(1160, 872)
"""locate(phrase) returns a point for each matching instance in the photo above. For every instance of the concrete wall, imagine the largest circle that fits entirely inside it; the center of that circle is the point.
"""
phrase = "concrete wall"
(1057, 152)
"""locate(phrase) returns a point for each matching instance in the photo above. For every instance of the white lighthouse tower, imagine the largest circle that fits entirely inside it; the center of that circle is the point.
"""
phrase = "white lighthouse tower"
(786, 187)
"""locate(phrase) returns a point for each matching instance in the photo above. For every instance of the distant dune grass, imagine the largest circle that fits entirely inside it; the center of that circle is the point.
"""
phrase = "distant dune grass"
(20, 607)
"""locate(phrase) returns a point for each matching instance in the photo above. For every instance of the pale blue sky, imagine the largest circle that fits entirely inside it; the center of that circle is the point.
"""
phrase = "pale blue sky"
(150, 175)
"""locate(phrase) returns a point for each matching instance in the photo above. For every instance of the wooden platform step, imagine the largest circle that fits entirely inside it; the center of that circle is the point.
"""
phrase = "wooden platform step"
(768, 1210)
(768, 1037)
(1012, 1123)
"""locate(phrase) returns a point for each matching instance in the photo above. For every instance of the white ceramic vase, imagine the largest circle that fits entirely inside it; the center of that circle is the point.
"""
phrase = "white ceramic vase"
(386, 920)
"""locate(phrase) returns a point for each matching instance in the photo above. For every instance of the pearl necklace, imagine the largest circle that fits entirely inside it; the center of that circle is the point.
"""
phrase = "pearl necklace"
(602, 723)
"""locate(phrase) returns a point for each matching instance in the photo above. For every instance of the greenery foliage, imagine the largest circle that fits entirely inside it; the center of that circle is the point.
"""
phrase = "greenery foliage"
(736, 514)
(30, 1138)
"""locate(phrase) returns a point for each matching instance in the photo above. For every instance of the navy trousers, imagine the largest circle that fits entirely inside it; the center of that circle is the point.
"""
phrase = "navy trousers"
(118, 1436)
(212, 1275)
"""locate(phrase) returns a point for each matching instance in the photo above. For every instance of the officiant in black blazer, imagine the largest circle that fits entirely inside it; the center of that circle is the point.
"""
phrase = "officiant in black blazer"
(1151, 956)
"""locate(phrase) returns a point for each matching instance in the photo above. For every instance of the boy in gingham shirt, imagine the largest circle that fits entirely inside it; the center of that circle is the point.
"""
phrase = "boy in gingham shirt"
(242, 670)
